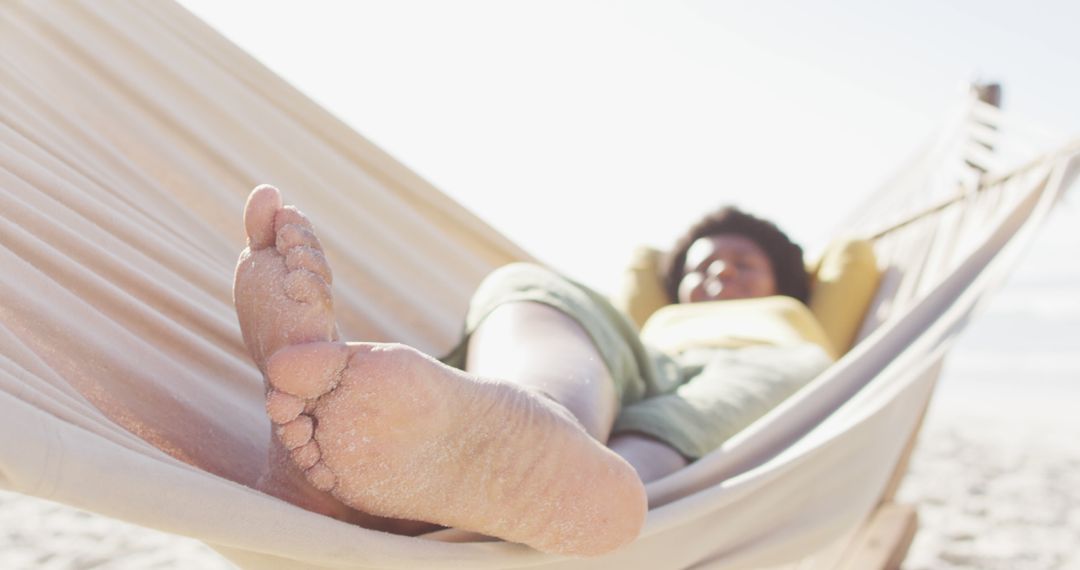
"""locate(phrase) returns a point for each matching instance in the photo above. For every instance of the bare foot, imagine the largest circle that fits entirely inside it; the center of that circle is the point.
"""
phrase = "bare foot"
(282, 283)
(282, 296)
(391, 431)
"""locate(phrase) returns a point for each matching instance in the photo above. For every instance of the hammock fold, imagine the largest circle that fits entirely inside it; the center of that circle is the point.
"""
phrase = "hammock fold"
(130, 135)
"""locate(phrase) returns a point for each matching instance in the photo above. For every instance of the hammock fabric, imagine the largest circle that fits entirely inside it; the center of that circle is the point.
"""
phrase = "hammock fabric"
(130, 134)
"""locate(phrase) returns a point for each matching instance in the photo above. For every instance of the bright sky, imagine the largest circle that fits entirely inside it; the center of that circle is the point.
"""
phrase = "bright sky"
(582, 128)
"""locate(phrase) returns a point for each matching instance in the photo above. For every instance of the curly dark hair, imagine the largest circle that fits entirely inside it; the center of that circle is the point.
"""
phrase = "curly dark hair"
(786, 257)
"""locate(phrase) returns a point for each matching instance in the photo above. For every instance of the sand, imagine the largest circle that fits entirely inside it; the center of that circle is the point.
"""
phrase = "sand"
(38, 534)
(995, 492)
(995, 507)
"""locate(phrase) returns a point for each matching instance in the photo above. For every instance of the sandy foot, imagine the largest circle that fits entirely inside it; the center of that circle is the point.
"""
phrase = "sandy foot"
(390, 431)
(282, 283)
(394, 432)
(282, 296)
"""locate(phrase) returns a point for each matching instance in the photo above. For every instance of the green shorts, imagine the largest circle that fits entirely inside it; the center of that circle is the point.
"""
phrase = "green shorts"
(693, 401)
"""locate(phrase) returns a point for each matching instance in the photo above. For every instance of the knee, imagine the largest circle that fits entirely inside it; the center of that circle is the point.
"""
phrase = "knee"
(520, 272)
(514, 280)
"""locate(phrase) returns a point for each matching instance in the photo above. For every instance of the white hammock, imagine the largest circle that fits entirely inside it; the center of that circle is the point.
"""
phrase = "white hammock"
(130, 134)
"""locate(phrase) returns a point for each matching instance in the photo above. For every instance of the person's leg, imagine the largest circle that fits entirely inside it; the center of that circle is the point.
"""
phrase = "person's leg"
(539, 347)
(393, 432)
(282, 297)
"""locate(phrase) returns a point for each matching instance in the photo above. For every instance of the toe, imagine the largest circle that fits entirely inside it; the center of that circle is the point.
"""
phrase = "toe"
(297, 432)
(291, 215)
(306, 287)
(293, 235)
(306, 455)
(321, 477)
(283, 408)
(307, 370)
(262, 206)
(313, 260)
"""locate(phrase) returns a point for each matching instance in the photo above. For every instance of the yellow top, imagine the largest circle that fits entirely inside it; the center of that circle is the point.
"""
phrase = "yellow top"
(767, 320)
(843, 283)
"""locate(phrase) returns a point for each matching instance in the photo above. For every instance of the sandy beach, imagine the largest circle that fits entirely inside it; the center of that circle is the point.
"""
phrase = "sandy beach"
(995, 492)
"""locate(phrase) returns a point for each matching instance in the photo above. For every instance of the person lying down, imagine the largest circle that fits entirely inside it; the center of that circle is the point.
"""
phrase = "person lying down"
(545, 422)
